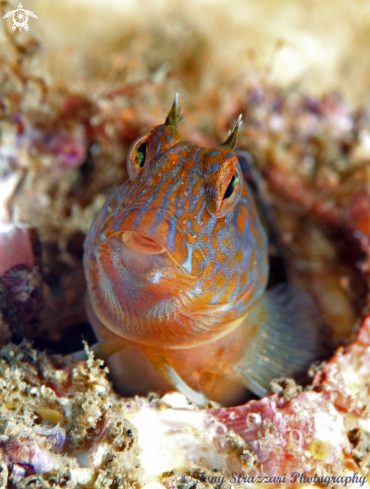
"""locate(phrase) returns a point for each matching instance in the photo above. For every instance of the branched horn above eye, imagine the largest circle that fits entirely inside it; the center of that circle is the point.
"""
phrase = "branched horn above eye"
(173, 119)
(231, 140)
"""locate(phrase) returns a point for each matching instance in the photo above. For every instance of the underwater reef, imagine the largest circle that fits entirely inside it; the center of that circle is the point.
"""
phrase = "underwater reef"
(63, 145)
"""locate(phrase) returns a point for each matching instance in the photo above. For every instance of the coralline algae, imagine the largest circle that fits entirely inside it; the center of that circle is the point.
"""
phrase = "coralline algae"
(62, 425)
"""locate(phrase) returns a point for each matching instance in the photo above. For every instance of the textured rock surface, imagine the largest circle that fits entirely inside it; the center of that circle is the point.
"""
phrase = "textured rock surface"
(66, 123)
(62, 423)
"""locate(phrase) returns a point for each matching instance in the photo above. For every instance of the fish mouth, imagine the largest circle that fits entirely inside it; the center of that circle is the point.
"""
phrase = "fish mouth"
(155, 234)
(142, 244)
(149, 249)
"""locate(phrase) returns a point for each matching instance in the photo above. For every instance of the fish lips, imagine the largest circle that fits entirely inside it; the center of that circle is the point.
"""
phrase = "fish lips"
(155, 232)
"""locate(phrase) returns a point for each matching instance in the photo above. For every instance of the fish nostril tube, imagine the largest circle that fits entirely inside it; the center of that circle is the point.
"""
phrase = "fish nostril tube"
(142, 244)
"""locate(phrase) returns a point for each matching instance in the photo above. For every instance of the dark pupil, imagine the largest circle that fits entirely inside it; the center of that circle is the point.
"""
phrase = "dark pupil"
(230, 188)
(140, 155)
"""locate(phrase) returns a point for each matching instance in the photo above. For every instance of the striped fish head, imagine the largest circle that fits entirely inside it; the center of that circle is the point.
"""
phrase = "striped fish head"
(177, 254)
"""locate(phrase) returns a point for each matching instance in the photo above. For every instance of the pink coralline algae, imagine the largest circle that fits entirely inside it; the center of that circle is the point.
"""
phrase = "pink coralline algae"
(68, 150)
(16, 247)
(27, 457)
(62, 149)
(319, 431)
(20, 269)
(306, 434)
(289, 439)
(346, 377)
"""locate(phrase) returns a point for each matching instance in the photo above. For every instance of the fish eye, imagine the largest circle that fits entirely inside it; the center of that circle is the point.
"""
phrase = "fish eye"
(231, 187)
(140, 155)
(232, 193)
(137, 156)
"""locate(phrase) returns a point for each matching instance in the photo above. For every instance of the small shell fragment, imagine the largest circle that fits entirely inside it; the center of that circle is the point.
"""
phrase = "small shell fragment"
(83, 476)
(154, 485)
(50, 414)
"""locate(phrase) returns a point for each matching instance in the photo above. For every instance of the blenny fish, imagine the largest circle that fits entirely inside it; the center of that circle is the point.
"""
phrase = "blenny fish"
(176, 263)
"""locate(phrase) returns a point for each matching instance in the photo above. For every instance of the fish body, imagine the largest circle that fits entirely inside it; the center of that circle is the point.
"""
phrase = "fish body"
(176, 263)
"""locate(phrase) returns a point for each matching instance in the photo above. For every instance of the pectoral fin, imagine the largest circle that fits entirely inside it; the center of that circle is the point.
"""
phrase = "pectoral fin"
(103, 350)
(173, 378)
(287, 341)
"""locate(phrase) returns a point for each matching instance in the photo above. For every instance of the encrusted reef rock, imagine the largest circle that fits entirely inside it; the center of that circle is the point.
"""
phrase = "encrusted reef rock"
(62, 425)
(314, 153)
(62, 151)
(21, 284)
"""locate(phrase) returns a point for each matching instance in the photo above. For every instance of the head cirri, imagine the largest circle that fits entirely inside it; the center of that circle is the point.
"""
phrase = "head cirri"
(177, 253)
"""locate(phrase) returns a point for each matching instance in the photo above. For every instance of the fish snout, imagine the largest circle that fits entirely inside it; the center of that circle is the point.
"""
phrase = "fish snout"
(142, 244)
(156, 232)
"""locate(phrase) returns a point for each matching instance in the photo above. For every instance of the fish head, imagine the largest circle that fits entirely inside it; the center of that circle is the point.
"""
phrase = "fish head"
(177, 254)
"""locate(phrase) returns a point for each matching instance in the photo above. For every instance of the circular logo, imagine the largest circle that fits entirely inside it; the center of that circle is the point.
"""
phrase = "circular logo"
(20, 18)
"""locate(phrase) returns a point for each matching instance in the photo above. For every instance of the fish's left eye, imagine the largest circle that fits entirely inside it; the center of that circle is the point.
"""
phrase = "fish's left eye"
(231, 187)
(137, 156)
(232, 193)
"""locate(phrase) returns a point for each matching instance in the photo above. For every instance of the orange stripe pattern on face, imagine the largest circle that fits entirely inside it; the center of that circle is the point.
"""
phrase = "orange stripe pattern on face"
(177, 253)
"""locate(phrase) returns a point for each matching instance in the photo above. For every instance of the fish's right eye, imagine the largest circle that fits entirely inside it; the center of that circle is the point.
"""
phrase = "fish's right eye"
(140, 155)
(137, 156)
